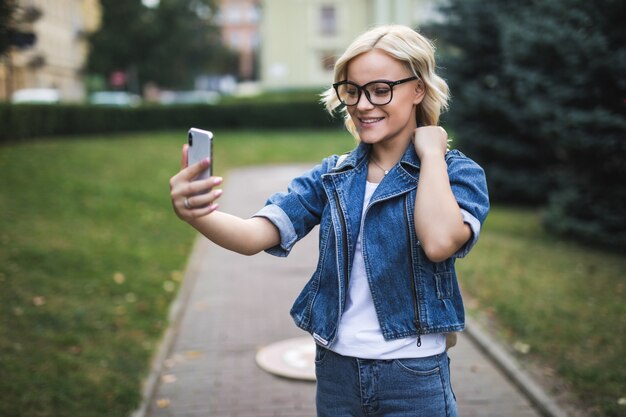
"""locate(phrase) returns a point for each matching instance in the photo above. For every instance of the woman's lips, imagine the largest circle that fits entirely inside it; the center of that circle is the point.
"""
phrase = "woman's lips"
(369, 121)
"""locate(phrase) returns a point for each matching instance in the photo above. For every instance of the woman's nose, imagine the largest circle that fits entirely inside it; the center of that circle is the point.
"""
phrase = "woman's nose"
(364, 102)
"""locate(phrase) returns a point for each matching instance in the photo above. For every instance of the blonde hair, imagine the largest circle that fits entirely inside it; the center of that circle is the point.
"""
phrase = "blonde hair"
(407, 46)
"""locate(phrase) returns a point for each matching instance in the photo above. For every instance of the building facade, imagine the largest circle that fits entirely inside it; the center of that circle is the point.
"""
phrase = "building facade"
(300, 39)
(284, 44)
(57, 58)
(240, 22)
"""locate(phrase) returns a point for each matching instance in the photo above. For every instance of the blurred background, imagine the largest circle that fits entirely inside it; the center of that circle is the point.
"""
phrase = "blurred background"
(535, 100)
(94, 95)
(150, 47)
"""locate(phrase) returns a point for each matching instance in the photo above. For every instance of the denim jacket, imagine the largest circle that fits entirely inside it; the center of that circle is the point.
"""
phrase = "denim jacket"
(412, 295)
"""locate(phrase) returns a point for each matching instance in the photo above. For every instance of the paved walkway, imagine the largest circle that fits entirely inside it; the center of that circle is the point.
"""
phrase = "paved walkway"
(231, 305)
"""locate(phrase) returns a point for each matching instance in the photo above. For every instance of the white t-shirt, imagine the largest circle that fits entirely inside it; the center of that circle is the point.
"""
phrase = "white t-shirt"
(359, 334)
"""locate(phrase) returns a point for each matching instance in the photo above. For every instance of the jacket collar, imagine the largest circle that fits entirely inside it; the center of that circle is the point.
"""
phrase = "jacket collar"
(409, 161)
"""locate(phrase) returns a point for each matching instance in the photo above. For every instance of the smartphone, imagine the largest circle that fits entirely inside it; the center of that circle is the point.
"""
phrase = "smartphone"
(200, 147)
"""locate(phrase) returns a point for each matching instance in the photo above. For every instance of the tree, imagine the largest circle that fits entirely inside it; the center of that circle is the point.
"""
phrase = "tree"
(167, 44)
(568, 57)
(539, 99)
(185, 42)
(15, 32)
(121, 42)
(16, 25)
(7, 8)
(487, 114)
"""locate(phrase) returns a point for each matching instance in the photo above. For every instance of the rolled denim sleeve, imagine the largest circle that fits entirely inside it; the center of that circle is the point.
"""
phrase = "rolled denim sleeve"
(469, 186)
(296, 212)
(288, 237)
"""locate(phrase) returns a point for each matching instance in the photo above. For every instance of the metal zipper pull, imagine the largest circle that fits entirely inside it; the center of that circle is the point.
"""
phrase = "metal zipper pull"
(419, 336)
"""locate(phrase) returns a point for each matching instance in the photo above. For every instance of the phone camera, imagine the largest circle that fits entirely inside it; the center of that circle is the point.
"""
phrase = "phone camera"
(190, 139)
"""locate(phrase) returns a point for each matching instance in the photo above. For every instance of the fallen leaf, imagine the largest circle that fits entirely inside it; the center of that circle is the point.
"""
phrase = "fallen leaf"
(621, 401)
(39, 301)
(119, 278)
(521, 347)
(163, 402)
(176, 276)
(169, 286)
(168, 378)
(201, 306)
(193, 354)
(75, 350)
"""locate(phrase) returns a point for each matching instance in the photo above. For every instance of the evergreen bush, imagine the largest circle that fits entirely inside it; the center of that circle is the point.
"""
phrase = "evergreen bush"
(539, 100)
(27, 121)
(487, 114)
(568, 58)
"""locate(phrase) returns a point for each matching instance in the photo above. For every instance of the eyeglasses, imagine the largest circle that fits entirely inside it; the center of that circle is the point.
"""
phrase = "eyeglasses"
(378, 92)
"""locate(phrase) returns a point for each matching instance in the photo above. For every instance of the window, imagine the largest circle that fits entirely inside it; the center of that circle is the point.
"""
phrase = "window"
(235, 40)
(254, 13)
(233, 14)
(328, 20)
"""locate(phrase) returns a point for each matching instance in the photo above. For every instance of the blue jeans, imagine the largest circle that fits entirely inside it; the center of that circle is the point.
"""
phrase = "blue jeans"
(353, 387)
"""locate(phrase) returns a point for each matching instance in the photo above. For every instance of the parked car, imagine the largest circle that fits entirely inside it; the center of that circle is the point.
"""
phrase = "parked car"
(114, 98)
(36, 95)
(189, 97)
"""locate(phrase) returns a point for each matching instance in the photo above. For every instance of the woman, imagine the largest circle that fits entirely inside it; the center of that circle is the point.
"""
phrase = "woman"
(394, 214)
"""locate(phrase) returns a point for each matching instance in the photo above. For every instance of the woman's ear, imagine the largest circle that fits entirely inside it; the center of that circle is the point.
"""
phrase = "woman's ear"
(420, 91)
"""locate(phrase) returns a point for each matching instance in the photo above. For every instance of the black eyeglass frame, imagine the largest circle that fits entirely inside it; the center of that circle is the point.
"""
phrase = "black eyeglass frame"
(361, 88)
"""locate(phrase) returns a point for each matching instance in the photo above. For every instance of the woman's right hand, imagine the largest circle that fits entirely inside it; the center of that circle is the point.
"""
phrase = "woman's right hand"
(193, 199)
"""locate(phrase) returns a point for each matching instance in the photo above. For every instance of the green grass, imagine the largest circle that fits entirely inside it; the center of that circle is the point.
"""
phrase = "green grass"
(91, 255)
(565, 301)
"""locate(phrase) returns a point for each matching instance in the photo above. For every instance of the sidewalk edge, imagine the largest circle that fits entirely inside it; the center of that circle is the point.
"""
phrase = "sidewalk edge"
(175, 315)
(512, 370)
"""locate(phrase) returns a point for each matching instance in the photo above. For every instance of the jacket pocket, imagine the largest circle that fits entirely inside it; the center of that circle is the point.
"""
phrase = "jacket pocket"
(444, 280)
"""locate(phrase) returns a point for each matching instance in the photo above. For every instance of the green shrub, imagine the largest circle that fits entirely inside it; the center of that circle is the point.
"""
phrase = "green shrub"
(538, 92)
(25, 121)
(577, 109)
(493, 122)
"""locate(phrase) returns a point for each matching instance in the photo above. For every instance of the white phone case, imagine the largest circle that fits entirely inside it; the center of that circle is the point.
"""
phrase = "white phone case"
(200, 147)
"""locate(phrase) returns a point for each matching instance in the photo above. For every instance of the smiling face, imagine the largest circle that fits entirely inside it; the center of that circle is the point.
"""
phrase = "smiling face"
(395, 121)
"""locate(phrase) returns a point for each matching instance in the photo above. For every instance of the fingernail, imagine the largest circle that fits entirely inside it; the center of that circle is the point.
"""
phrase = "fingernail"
(218, 180)
(207, 160)
(218, 193)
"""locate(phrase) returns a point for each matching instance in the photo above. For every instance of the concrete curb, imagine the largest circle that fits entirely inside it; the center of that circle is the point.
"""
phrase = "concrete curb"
(512, 370)
(175, 315)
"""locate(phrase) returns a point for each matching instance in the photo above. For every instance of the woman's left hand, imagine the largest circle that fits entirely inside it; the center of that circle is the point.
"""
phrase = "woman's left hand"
(430, 140)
